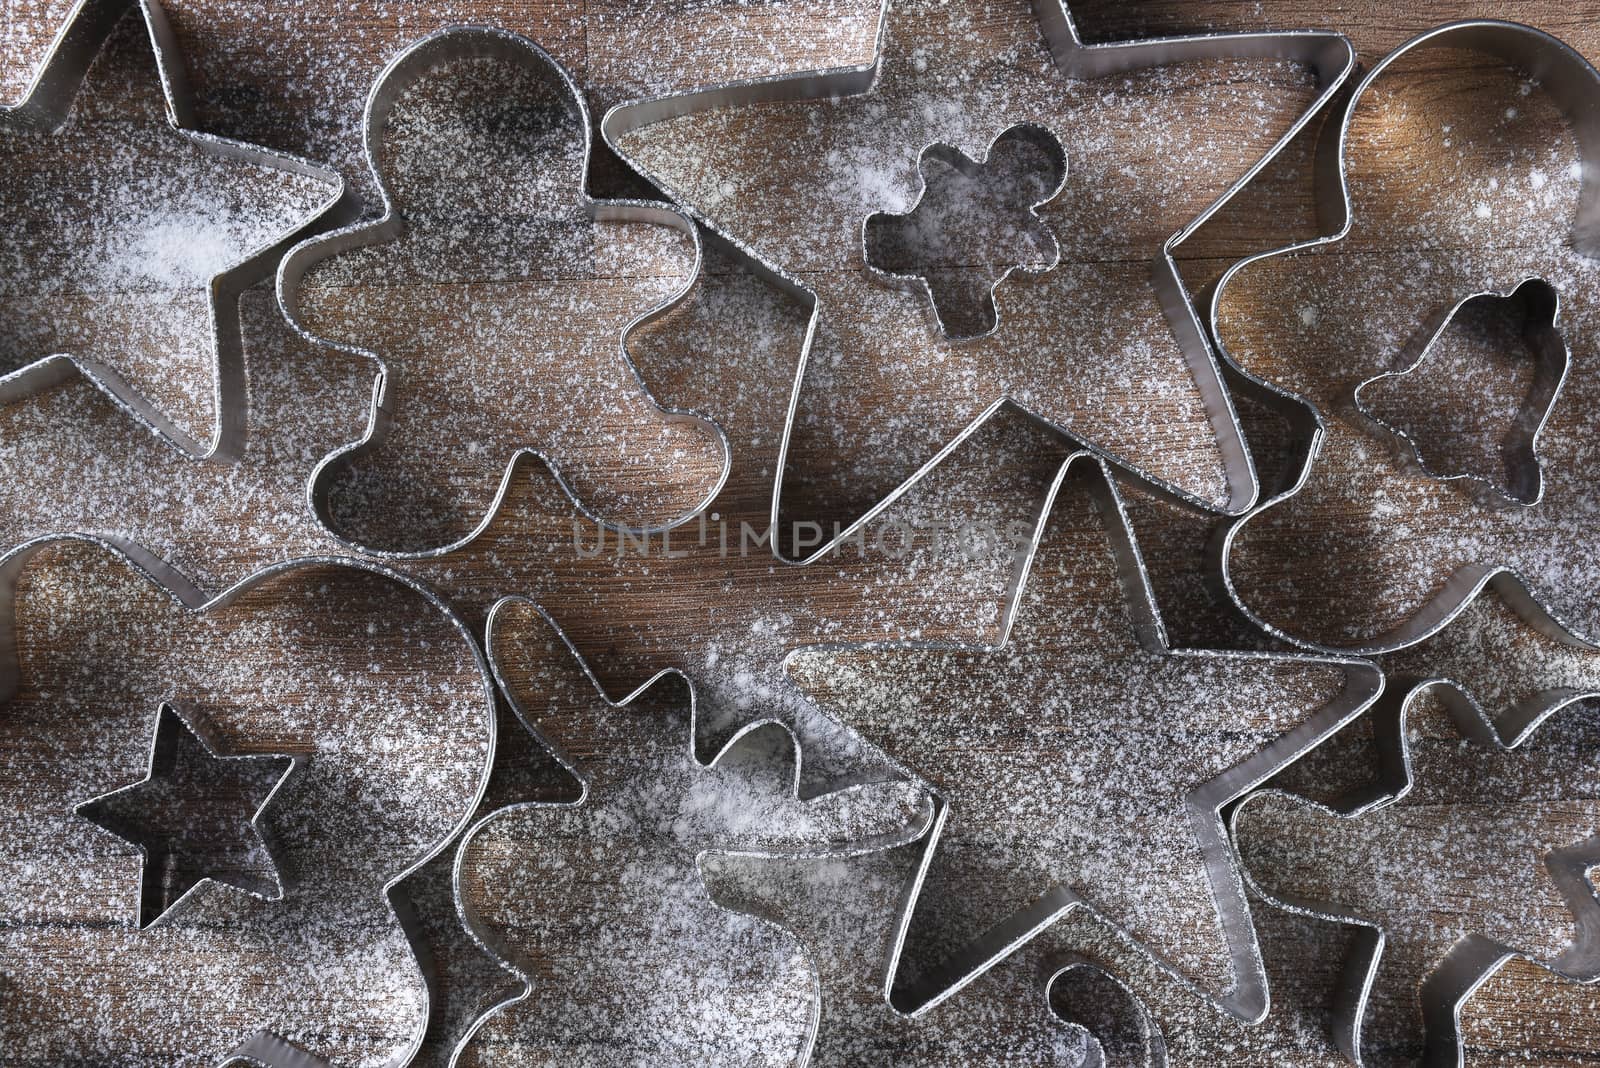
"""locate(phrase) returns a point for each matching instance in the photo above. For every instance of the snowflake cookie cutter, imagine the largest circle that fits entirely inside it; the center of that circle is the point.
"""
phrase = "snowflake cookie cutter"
(1524, 483)
(1329, 55)
(441, 48)
(47, 105)
(265, 1048)
(1474, 958)
(1572, 84)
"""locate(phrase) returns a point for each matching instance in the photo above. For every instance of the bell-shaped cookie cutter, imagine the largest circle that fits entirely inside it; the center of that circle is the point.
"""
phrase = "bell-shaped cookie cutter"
(1524, 484)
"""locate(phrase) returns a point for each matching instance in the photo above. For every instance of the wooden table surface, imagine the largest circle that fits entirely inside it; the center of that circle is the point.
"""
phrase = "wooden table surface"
(294, 76)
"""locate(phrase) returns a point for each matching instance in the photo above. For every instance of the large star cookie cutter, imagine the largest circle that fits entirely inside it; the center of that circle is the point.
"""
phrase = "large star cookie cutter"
(1066, 804)
(1516, 527)
(860, 180)
(393, 728)
(178, 238)
(507, 270)
(1439, 797)
(595, 904)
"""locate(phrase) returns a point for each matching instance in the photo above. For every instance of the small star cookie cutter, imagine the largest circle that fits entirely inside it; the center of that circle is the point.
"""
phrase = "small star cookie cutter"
(1329, 55)
(402, 73)
(171, 722)
(46, 106)
(1573, 85)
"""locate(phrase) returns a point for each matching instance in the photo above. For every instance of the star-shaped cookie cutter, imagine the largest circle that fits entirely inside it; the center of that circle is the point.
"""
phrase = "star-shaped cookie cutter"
(403, 72)
(1245, 995)
(1573, 85)
(171, 726)
(1329, 55)
(47, 105)
(1475, 958)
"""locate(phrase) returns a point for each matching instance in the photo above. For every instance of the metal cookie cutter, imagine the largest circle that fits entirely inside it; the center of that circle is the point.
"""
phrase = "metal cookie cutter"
(468, 710)
(173, 730)
(537, 886)
(1573, 86)
(1089, 705)
(404, 72)
(1448, 981)
(1329, 55)
(46, 107)
(879, 229)
(1043, 1006)
(1524, 481)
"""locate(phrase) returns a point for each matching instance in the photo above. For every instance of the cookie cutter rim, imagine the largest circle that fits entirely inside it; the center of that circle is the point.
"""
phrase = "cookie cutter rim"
(1330, 56)
(171, 719)
(481, 934)
(1050, 965)
(1553, 362)
(450, 44)
(46, 104)
(266, 1048)
(1040, 136)
(1154, 1038)
(1572, 84)
(1247, 998)
(1475, 958)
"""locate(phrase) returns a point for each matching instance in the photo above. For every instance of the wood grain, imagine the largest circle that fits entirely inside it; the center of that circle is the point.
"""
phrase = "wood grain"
(294, 77)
